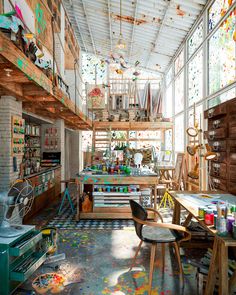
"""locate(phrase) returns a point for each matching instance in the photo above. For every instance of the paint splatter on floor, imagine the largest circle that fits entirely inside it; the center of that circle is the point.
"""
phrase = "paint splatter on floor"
(100, 260)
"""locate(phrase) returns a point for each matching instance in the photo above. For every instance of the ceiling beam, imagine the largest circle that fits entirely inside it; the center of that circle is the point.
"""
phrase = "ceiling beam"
(78, 25)
(90, 32)
(109, 21)
(34, 90)
(133, 29)
(158, 33)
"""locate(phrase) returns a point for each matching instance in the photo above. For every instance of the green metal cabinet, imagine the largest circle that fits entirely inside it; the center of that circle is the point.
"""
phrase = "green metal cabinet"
(19, 259)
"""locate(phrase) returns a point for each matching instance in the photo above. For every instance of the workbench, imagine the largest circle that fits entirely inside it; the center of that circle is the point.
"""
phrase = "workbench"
(147, 180)
(219, 260)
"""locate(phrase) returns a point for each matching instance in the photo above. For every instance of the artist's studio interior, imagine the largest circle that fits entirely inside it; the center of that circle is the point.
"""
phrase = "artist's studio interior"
(118, 147)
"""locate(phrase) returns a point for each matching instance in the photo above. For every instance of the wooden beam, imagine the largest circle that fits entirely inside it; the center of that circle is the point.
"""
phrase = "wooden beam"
(34, 90)
(10, 52)
(14, 89)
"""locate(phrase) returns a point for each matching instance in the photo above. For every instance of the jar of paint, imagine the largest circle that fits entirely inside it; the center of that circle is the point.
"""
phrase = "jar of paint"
(234, 230)
(222, 229)
(209, 219)
(201, 212)
(230, 221)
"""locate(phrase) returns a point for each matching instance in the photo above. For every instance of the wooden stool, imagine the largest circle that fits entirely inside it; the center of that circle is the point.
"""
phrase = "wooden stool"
(67, 195)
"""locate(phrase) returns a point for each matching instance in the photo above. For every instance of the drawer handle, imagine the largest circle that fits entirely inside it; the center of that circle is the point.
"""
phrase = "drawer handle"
(210, 113)
(211, 136)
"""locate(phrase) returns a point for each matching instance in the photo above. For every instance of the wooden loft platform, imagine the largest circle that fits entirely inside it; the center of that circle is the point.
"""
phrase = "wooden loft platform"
(132, 125)
(29, 84)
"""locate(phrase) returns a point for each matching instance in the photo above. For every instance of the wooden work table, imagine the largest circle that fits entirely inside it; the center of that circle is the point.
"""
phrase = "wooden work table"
(219, 260)
(110, 179)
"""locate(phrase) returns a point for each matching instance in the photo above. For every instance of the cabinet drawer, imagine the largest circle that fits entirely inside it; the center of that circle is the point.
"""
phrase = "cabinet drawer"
(232, 173)
(26, 267)
(25, 244)
(232, 187)
(216, 111)
(218, 123)
(219, 133)
(232, 131)
(232, 107)
(232, 146)
(220, 157)
(219, 183)
(219, 170)
(232, 158)
(218, 146)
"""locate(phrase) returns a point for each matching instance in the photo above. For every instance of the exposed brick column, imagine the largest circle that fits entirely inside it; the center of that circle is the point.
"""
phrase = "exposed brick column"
(8, 107)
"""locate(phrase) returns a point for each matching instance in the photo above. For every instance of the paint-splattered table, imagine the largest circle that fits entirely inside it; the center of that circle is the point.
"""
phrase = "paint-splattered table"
(150, 180)
(219, 260)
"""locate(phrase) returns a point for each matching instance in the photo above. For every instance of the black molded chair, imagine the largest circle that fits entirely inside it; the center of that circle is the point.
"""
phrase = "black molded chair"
(154, 233)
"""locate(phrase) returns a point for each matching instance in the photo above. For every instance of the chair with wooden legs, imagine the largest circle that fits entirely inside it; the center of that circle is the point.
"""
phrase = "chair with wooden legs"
(156, 233)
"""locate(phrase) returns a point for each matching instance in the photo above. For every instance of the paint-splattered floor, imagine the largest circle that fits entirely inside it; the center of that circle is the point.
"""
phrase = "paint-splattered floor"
(99, 262)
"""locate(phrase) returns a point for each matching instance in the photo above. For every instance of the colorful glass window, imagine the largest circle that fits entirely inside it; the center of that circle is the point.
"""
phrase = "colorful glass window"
(222, 55)
(179, 62)
(195, 77)
(196, 39)
(217, 11)
(179, 93)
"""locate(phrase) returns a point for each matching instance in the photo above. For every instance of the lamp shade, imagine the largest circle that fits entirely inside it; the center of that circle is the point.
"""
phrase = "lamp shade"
(209, 155)
(191, 149)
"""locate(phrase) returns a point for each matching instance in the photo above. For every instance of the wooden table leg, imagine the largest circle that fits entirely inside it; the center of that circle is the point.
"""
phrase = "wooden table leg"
(176, 213)
(155, 197)
(232, 283)
(188, 219)
(223, 269)
(77, 201)
(211, 278)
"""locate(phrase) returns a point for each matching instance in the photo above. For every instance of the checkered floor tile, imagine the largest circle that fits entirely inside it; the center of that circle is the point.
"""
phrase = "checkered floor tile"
(66, 220)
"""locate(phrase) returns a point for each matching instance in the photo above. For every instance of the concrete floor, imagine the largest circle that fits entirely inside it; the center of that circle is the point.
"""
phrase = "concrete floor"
(97, 261)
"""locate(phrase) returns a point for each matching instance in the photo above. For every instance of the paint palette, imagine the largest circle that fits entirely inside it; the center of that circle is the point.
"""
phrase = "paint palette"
(49, 283)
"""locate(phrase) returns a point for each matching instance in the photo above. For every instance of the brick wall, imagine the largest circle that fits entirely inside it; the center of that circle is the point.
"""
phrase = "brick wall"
(8, 107)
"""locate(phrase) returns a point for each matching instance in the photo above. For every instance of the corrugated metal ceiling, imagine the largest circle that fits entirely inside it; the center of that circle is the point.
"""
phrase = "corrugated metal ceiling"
(159, 29)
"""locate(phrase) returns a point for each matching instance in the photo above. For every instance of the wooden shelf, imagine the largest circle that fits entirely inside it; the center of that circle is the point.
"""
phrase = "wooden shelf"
(132, 126)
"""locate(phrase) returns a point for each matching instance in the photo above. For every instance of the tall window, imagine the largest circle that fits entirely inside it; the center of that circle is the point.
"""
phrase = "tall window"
(179, 133)
(168, 102)
(195, 77)
(179, 93)
(179, 62)
(196, 39)
(217, 10)
(222, 55)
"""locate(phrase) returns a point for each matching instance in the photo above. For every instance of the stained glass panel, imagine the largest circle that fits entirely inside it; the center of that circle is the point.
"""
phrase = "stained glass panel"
(196, 39)
(179, 133)
(168, 102)
(179, 93)
(222, 55)
(217, 11)
(179, 62)
(195, 77)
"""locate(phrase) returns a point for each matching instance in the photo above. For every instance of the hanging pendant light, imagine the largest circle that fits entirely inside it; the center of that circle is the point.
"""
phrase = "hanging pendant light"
(121, 43)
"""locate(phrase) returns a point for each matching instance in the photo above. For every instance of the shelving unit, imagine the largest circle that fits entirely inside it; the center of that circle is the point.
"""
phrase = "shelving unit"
(18, 136)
